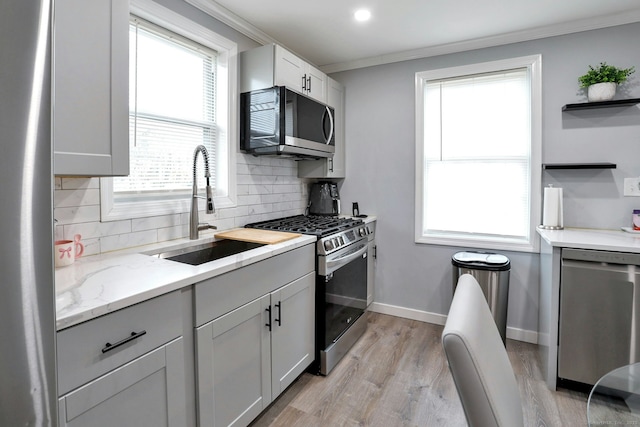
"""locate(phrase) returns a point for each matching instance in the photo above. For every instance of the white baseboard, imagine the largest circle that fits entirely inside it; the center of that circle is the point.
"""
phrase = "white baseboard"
(440, 319)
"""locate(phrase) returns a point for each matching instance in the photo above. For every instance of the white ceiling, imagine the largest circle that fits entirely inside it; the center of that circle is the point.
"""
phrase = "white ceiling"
(325, 33)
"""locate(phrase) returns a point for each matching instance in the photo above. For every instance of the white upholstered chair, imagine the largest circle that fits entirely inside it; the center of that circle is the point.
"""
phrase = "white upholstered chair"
(478, 360)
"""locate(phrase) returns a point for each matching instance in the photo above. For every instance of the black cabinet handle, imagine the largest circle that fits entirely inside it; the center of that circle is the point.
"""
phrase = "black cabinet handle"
(304, 83)
(268, 310)
(279, 319)
(309, 83)
(133, 336)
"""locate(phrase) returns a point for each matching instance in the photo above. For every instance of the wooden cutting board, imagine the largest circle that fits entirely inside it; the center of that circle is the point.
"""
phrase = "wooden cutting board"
(257, 236)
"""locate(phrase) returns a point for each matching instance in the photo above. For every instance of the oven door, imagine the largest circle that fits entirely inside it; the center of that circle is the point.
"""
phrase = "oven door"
(341, 302)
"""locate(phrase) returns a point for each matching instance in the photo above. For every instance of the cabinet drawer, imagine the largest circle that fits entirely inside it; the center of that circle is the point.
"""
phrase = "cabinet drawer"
(219, 295)
(81, 356)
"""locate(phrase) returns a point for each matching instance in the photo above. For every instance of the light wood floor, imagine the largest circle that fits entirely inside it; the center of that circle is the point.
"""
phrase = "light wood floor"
(396, 375)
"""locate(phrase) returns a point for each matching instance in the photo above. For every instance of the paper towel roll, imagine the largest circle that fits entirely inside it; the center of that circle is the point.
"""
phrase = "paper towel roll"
(552, 208)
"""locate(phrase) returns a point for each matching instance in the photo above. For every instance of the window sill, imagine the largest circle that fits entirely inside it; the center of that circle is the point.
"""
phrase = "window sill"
(480, 243)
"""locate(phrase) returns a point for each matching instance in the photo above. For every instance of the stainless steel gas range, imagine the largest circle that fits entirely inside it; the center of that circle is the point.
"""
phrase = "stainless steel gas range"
(341, 281)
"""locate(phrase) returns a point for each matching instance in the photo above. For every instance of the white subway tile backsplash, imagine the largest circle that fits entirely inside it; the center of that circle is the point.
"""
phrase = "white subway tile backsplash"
(267, 188)
(172, 233)
(225, 224)
(129, 240)
(232, 212)
(259, 189)
(80, 183)
(242, 189)
(76, 214)
(252, 199)
(89, 230)
(282, 171)
(79, 197)
(155, 222)
(91, 246)
(260, 209)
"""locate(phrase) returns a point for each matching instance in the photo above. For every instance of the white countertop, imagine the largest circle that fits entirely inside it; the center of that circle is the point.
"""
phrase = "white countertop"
(100, 284)
(584, 238)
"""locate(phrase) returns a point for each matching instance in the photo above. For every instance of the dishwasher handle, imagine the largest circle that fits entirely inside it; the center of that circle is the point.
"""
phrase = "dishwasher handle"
(601, 266)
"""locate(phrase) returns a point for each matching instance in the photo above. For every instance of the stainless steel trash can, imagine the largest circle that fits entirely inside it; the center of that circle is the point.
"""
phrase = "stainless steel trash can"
(491, 270)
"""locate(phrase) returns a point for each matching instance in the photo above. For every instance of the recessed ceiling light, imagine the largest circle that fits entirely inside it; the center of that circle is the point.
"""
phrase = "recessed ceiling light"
(362, 15)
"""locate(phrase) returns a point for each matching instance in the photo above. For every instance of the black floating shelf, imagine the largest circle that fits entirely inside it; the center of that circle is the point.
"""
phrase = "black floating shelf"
(579, 166)
(601, 104)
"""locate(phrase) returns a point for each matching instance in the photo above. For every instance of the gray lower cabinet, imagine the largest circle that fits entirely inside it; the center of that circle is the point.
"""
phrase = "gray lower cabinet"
(247, 357)
(148, 391)
(127, 368)
(292, 332)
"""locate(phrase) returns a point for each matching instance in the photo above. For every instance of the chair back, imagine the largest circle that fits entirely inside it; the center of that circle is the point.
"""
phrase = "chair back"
(478, 360)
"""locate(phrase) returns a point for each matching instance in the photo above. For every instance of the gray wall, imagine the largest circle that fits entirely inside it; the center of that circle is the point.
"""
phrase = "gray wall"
(380, 139)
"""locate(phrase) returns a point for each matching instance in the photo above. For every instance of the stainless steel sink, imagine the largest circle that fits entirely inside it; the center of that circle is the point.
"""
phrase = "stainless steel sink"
(196, 255)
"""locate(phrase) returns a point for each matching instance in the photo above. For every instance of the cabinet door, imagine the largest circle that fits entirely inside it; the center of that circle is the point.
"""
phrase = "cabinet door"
(148, 391)
(90, 87)
(332, 167)
(234, 366)
(296, 74)
(289, 70)
(335, 98)
(316, 85)
(292, 336)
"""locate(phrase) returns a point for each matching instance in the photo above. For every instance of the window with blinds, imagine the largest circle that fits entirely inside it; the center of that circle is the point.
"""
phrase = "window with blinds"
(172, 99)
(478, 156)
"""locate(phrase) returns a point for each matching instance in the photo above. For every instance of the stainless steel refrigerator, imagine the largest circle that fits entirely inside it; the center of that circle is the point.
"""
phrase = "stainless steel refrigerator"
(27, 302)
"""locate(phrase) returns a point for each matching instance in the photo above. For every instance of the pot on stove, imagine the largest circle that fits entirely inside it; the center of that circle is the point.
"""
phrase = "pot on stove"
(324, 199)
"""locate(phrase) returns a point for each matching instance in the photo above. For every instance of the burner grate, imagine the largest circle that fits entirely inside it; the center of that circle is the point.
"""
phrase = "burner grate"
(308, 224)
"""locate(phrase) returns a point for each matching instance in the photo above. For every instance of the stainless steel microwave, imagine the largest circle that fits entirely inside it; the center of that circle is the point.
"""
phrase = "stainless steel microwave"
(278, 121)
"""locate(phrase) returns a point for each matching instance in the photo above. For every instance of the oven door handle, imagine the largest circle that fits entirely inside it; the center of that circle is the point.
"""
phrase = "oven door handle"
(334, 264)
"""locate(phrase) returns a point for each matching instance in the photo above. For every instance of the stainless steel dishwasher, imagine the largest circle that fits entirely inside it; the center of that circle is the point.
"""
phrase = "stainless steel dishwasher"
(598, 313)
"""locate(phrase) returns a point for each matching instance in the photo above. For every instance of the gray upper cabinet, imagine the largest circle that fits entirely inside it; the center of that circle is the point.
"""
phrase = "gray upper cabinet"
(272, 65)
(90, 87)
(334, 167)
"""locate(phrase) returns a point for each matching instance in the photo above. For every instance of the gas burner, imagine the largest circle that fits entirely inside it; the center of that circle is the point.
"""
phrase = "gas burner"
(309, 224)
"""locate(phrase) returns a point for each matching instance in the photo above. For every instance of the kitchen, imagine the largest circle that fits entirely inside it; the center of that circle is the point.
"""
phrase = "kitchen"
(270, 188)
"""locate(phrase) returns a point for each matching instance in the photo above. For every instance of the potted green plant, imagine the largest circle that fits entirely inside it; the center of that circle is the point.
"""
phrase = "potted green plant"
(601, 82)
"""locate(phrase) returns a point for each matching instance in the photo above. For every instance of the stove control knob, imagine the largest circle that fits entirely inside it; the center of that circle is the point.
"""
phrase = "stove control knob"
(341, 240)
(336, 243)
(328, 245)
(362, 232)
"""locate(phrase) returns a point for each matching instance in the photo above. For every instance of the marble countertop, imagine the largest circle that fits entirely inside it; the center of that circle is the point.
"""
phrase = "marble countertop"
(583, 238)
(96, 285)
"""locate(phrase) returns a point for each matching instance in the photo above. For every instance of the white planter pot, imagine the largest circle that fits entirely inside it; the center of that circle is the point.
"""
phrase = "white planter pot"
(601, 92)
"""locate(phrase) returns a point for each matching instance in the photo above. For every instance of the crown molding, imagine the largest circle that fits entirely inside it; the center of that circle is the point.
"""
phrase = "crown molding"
(484, 42)
(229, 18)
(234, 21)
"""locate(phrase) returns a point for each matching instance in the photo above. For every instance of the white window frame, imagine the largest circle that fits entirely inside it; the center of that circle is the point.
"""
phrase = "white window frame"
(226, 78)
(534, 64)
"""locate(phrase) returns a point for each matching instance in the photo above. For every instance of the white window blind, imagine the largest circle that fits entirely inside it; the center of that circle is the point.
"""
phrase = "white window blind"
(477, 165)
(172, 103)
